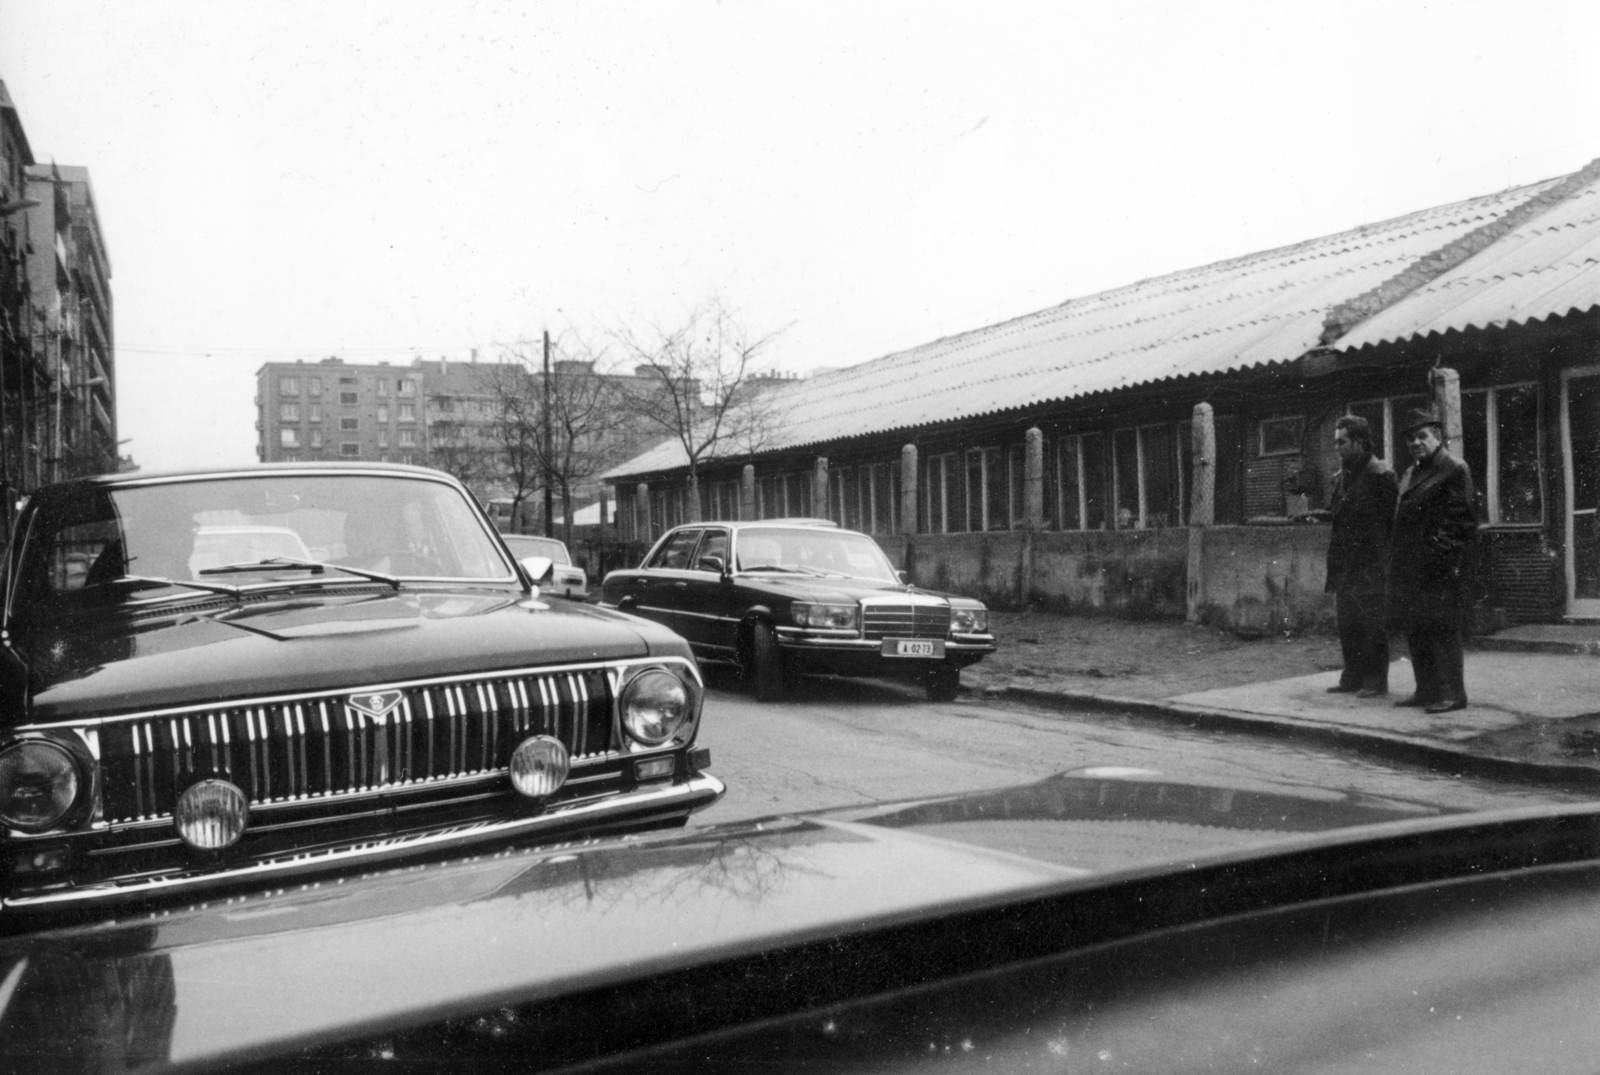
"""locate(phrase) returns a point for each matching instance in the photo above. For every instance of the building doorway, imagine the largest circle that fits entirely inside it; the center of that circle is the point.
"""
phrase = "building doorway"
(1580, 445)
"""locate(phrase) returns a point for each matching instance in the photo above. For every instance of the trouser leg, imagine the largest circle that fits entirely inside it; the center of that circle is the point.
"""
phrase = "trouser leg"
(1364, 640)
(1350, 638)
(1451, 662)
(1374, 642)
(1424, 661)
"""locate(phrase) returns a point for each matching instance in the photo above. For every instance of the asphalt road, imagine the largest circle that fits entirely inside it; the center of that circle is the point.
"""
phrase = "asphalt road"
(847, 742)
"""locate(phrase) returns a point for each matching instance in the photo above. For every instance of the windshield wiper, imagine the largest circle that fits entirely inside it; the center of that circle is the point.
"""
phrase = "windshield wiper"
(771, 567)
(209, 587)
(275, 564)
(289, 563)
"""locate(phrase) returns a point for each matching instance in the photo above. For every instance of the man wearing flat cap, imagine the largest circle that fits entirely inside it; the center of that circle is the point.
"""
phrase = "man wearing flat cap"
(1434, 522)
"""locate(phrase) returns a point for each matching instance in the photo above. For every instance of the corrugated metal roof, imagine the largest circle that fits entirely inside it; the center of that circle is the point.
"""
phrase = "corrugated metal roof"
(1251, 311)
(1549, 266)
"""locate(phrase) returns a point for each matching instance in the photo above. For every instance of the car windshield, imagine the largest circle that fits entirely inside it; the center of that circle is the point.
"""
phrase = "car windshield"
(523, 546)
(242, 531)
(812, 551)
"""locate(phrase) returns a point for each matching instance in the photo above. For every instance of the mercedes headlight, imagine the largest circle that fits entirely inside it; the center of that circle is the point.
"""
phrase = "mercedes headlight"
(969, 621)
(39, 784)
(655, 705)
(819, 614)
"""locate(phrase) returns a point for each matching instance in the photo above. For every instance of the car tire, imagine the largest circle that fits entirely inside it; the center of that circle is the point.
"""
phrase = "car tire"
(944, 684)
(766, 663)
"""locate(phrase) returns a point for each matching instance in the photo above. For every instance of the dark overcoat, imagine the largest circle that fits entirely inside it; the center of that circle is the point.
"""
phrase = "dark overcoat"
(1363, 516)
(1434, 522)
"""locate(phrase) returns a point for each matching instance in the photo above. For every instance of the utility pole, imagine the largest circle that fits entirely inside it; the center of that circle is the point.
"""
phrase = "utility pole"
(549, 500)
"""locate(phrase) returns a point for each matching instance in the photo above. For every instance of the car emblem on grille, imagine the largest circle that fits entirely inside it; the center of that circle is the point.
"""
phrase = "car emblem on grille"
(377, 705)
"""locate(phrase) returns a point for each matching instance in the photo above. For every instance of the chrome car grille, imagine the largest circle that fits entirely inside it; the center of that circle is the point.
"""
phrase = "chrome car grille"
(313, 747)
(905, 620)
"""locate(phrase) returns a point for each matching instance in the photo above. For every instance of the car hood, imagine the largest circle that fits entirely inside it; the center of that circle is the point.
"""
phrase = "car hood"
(258, 975)
(312, 641)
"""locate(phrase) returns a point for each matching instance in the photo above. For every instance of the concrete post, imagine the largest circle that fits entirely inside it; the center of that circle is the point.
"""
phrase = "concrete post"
(1033, 480)
(908, 489)
(691, 510)
(747, 492)
(1202, 505)
(1445, 386)
(641, 513)
(819, 488)
(1203, 480)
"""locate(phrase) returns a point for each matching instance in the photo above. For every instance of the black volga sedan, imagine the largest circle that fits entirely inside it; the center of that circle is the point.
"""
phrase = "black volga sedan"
(238, 677)
(785, 596)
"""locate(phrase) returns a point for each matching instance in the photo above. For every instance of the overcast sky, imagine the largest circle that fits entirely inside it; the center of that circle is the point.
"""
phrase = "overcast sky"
(377, 181)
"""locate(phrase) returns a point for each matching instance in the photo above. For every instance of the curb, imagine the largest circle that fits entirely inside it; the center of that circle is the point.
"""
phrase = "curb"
(1393, 747)
(1490, 644)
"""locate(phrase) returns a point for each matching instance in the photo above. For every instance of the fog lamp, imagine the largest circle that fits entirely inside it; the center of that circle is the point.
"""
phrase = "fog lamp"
(47, 860)
(654, 769)
(211, 815)
(655, 705)
(39, 784)
(539, 766)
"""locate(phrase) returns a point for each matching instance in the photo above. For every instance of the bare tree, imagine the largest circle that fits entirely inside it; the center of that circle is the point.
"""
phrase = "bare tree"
(458, 446)
(587, 421)
(516, 430)
(706, 393)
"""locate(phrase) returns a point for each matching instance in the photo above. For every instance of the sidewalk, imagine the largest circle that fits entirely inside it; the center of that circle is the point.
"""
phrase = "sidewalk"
(1535, 711)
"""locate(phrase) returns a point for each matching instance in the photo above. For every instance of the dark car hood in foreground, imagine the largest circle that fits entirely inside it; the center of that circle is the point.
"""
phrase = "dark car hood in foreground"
(260, 974)
(317, 641)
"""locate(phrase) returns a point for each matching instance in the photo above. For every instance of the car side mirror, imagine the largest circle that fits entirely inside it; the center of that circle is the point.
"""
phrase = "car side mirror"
(713, 563)
(537, 567)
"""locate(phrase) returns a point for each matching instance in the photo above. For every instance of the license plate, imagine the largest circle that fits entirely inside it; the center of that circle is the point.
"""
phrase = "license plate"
(913, 647)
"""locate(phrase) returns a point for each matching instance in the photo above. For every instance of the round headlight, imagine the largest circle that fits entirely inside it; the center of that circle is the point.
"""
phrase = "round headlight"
(654, 706)
(211, 815)
(39, 782)
(539, 766)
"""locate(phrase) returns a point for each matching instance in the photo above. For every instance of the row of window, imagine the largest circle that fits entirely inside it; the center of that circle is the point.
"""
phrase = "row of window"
(1137, 478)
(290, 386)
(353, 451)
(289, 437)
(290, 412)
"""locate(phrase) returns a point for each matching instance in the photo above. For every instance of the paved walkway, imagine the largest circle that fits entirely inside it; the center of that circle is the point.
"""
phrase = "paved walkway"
(1533, 715)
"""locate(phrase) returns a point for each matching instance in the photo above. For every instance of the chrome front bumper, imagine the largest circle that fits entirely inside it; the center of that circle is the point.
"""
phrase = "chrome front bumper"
(643, 805)
(850, 642)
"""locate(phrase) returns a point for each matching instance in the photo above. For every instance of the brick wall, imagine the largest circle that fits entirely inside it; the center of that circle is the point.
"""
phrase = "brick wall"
(1520, 574)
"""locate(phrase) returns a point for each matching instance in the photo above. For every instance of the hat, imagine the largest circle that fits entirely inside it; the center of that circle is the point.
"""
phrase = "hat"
(1417, 417)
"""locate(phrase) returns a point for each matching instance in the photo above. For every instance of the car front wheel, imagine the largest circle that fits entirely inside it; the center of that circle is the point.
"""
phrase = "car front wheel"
(943, 684)
(766, 663)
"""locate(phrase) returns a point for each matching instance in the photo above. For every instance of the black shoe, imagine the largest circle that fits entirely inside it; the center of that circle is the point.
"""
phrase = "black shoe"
(1371, 692)
(1340, 688)
(1446, 705)
(1416, 702)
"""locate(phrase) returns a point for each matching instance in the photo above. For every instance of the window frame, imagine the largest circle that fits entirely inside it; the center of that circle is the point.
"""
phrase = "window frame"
(1299, 421)
(1489, 480)
(1142, 461)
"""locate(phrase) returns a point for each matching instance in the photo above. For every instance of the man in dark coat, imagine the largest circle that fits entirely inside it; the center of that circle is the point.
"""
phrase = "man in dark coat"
(1362, 500)
(1434, 522)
